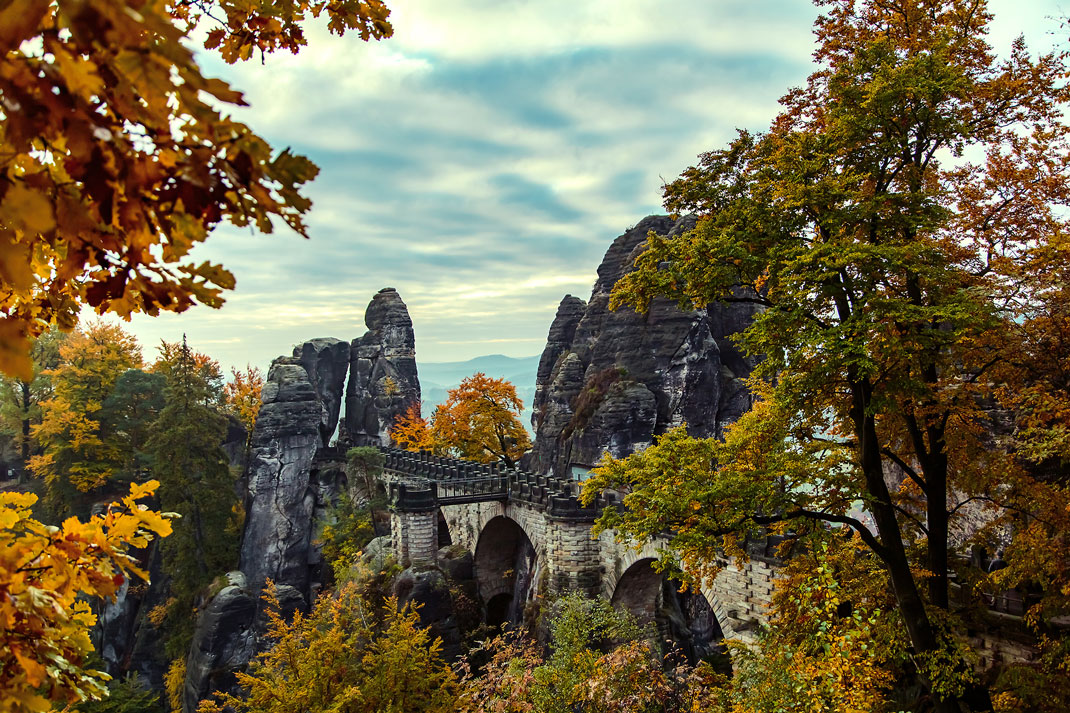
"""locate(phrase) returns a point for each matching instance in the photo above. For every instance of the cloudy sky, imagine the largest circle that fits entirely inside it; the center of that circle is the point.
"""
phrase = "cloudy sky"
(482, 159)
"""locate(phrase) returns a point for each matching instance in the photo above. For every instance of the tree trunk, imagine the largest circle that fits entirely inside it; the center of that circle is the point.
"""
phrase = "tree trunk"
(922, 635)
(936, 501)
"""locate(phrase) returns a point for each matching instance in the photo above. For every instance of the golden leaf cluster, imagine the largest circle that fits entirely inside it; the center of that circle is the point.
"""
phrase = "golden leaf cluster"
(45, 573)
(480, 421)
(117, 155)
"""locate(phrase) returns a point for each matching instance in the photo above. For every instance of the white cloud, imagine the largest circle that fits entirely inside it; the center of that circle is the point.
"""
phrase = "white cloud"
(483, 158)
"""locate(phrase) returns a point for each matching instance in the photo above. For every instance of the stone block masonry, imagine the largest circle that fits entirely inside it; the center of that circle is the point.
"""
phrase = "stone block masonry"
(527, 530)
(415, 536)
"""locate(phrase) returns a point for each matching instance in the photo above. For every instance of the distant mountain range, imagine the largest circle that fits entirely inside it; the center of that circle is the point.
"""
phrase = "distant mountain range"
(436, 377)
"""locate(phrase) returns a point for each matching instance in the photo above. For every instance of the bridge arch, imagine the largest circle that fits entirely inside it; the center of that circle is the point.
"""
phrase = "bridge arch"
(445, 537)
(653, 598)
(506, 568)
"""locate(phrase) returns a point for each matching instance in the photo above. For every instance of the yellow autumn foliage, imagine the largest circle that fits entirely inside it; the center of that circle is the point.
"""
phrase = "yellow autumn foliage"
(46, 572)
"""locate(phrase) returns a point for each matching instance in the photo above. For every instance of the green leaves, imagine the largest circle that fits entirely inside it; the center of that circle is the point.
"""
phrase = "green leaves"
(899, 281)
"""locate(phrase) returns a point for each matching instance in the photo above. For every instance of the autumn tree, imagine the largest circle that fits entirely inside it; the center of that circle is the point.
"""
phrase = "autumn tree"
(195, 482)
(77, 456)
(242, 396)
(45, 574)
(117, 155)
(178, 362)
(882, 223)
(412, 431)
(20, 400)
(479, 421)
(345, 656)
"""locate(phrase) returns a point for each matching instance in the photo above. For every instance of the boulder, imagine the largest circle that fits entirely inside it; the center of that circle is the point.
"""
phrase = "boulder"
(377, 552)
(224, 641)
(429, 590)
(456, 562)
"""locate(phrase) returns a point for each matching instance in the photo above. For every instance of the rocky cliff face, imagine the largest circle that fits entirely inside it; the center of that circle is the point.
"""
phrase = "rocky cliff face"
(327, 362)
(612, 380)
(278, 524)
(301, 399)
(382, 377)
(293, 478)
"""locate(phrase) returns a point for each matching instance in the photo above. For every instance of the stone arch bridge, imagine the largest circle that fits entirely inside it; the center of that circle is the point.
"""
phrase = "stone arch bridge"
(529, 535)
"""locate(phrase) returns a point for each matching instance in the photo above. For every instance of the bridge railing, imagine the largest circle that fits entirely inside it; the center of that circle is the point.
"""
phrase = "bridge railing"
(461, 481)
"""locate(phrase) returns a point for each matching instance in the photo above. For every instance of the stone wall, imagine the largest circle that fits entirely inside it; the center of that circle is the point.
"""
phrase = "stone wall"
(1002, 639)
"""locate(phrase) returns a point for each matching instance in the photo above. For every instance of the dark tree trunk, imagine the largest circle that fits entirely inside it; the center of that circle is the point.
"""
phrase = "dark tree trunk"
(922, 635)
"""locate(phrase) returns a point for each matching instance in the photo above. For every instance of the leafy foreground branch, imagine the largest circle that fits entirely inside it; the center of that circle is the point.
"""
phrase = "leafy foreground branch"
(117, 155)
(45, 571)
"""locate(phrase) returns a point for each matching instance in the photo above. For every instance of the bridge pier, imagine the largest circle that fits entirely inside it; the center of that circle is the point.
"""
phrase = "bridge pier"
(572, 556)
(414, 523)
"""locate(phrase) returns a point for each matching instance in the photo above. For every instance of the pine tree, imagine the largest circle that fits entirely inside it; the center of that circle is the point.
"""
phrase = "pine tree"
(196, 482)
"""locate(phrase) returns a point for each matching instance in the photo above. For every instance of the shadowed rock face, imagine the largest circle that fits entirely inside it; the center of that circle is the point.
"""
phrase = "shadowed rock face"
(382, 380)
(278, 523)
(288, 487)
(299, 412)
(613, 380)
(327, 362)
(224, 641)
(558, 342)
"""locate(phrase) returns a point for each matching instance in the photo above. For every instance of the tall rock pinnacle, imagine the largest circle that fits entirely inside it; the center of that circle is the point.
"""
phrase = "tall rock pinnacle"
(383, 382)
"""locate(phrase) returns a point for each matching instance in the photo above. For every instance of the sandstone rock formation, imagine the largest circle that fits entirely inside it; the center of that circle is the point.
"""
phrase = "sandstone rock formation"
(223, 641)
(327, 362)
(278, 524)
(612, 380)
(382, 378)
(293, 476)
(286, 487)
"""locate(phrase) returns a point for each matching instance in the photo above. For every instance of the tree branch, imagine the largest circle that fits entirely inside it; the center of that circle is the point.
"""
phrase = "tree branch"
(857, 525)
(911, 473)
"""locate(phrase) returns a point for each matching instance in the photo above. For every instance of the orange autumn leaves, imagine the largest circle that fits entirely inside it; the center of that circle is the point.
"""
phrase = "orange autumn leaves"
(479, 421)
(45, 574)
(242, 395)
(117, 155)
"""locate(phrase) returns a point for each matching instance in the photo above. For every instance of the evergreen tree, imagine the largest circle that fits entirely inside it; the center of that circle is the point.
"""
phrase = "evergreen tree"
(196, 482)
(127, 417)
